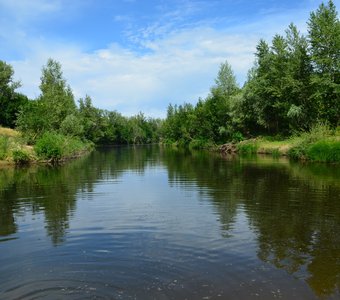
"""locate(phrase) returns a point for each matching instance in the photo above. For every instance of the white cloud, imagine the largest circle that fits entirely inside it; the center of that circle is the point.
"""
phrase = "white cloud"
(179, 68)
(178, 63)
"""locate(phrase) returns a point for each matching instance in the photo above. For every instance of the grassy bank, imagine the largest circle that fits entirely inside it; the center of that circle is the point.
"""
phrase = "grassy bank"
(320, 144)
(51, 147)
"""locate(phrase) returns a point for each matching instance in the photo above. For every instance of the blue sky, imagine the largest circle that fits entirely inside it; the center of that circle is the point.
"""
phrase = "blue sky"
(134, 55)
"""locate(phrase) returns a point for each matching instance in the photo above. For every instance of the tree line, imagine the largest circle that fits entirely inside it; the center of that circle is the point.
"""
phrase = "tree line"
(55, 110)
(293, 84)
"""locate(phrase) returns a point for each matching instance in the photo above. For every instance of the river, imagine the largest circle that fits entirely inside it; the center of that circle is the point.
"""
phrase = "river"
(158, 223)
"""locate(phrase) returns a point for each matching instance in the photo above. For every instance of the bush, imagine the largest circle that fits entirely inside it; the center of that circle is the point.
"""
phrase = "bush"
(237, 137)
(317, 132)
(324, 151)
(196, 144)
(247, 148)
(55, 146)
(298, 152)
(49, 146)
(21, 157)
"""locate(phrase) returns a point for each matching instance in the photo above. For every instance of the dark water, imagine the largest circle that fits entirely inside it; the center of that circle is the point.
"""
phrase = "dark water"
(150, 223)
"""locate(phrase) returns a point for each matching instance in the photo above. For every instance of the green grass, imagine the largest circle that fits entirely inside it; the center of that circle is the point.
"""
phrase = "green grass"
(4, 147)
(320, 144)
(247, 147)
(21, 157)
(324, 151)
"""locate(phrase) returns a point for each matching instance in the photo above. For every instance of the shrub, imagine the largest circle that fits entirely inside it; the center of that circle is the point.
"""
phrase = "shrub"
(317, 132)
(298, 152)
(55, 146)
(196, 144)
(324, 151)
(247, 148)
(237, 137)
(49, 146)
(21, 157)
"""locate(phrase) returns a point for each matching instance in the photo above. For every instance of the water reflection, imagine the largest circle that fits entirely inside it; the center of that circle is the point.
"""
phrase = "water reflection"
(291, 210)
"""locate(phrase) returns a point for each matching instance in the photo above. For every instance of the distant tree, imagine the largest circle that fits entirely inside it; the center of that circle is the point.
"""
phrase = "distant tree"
(92, 120)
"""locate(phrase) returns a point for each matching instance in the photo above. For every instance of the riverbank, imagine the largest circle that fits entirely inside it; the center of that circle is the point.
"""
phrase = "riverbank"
(50, 148)
(320, 145)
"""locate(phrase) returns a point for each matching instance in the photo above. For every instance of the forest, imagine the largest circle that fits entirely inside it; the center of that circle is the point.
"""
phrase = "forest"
(293, 88)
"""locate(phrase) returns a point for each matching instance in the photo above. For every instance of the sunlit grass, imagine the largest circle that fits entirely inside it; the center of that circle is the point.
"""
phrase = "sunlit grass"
(8, 132)
(319, 144)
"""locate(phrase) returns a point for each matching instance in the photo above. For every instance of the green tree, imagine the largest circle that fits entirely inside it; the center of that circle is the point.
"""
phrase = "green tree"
(92, 120)
(302, 111)
(56, 95)
(226, 81)
(10, 101)
(324, 38)
(32, 120)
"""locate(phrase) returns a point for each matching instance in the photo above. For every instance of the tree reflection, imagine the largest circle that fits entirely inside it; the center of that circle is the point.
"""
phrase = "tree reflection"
(53, 190)
(293, 209)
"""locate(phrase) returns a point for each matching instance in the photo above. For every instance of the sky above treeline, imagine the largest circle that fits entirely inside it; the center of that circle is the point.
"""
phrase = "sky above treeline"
(140, 55)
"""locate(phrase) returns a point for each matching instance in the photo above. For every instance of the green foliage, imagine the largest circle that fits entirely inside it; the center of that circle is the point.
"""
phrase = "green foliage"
(32, 121)
(324, 38)
(4, 147)
(247, 148)
(324, 151)
(318, 132)
(297, 152)
(50, 146)
(93, 120)
(55, 146)
(10, 101)
(226, 83)
(319, 144)
(196, 144)
(293, 85)
(21, 157)
(56, 95)
(237, 137)
(72, 126)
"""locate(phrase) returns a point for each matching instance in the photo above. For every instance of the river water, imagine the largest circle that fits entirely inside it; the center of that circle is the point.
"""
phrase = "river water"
(155, 223)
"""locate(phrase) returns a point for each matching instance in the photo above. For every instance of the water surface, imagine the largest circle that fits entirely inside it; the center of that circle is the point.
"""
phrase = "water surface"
(151, 223)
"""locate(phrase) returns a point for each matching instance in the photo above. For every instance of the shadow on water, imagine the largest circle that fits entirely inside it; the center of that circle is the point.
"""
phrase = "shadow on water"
(292, 209)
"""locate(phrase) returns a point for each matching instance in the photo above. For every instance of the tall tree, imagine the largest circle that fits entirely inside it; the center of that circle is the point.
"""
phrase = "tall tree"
(324, 38)
(302, 111)
(226, 81)
(56, 95)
